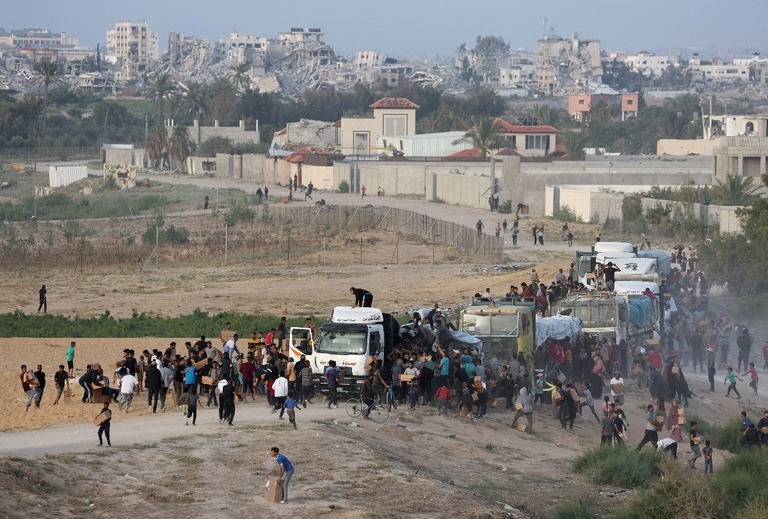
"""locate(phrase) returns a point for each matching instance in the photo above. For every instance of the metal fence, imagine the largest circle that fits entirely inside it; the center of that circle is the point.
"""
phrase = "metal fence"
(50, 154)
(472, 245)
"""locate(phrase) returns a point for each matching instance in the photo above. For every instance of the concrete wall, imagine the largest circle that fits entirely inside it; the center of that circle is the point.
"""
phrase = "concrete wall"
(585, 202)
(463, 190)
(248, 167)
(132, 157)
(410, 178)
(320, 176)
(723, 217)
(683, 147)
(199, 165)
(237, 134)
(61, 176)
(526, 182)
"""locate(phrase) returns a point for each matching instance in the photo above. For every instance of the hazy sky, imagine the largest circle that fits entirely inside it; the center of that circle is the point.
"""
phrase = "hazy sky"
(416, 27)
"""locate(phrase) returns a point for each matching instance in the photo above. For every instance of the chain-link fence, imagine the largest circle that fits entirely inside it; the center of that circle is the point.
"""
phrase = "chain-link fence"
(471, 244)
(50, 154)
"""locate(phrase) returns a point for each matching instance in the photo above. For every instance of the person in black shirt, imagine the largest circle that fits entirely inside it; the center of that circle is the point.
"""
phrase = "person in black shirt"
(363, 297)
(609, 272)
(85, 382)
(227, 400)
(104, 427)
(40, 389)
(43, 300)
(154, 383)
(61, 379)
(201, 344)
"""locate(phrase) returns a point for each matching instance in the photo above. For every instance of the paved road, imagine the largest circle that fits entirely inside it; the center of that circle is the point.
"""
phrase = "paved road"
(467, 216)
(148, 429)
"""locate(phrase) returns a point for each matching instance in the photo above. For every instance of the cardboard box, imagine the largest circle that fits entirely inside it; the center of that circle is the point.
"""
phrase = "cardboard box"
(618, 388)
(201, 363)
(208, 381)
(274, 491)
(406, 378)
(227, 334)
(522, 427)
(518, 406)
(100, 419)
(652, 342)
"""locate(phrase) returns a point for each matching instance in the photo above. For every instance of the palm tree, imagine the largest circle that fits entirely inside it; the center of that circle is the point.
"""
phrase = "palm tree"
(179, 145)
(194, 95)
(549, 116)
(155, 146)
(159, 90)
(574, 143)
(240, 76)
(735, 190)
(483, 135)
(49, 75)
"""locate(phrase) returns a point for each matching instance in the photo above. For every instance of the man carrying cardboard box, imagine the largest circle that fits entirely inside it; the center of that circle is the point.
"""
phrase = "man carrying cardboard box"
(286, 471)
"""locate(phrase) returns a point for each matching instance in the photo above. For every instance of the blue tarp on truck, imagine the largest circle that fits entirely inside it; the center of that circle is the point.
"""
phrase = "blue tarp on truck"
(640, 311)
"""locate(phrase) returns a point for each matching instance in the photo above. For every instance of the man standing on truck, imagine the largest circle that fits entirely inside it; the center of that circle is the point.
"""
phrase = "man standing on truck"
(363, 297)
(609, 273)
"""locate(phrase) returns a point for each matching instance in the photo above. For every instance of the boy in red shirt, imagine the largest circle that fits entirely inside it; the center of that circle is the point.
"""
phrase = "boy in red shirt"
(753, 378)
(442, 395)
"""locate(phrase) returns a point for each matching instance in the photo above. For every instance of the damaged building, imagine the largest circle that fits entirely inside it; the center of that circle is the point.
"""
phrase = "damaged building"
(568, 65)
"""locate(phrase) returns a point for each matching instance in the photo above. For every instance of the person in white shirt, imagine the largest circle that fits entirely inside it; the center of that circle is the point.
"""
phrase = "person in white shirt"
(127, 387)
(617, 388)
(669, 445)
(280, 387)
(231, 346)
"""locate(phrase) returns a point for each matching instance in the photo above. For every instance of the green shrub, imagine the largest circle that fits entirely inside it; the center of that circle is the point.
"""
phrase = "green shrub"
(19, 324)
(618, 466)
(678, 495)
(704, 427)
(505, 207)
(727, 437)
(743, 478)
(343, 186)
(239, 213)
(565, 214)
(579, 510)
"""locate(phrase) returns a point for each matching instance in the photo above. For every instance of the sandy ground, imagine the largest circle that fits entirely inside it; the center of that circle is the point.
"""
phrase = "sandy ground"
(416, 465)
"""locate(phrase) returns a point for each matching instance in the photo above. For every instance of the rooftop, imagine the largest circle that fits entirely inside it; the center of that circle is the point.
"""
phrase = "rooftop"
(394, 102)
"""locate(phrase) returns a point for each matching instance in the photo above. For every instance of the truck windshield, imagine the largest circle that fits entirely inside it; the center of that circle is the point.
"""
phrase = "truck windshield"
(342, 343)
(595, 314)
(490, 324)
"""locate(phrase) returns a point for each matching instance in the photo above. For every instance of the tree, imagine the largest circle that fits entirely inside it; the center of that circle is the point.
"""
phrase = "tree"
(222, 101)
(195, 100)
(49, 75)
(160, 90)
(484, 135)
(549, 116)
(179, 145)
(489, 52)
(738, 260)
(240, 76)
(734, 190)
(155, 146)
(574, 143)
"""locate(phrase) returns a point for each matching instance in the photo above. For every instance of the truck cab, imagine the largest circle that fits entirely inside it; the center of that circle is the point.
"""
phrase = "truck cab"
(505, 326)
(353, 338)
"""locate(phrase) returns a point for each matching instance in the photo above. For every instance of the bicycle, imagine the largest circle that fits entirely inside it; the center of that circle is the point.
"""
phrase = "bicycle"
(389, 398)
(356, 407)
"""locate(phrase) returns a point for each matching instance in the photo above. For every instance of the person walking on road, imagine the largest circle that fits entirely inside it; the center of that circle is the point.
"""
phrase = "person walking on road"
(308, 192)
(105, 425)
(43, 293)
(479, 226)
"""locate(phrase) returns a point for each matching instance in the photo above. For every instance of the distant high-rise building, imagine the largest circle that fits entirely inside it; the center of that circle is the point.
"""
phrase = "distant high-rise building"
(134, 47)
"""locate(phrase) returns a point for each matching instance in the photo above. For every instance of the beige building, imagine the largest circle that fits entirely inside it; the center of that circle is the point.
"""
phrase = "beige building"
(391, 117)
(134, 47)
